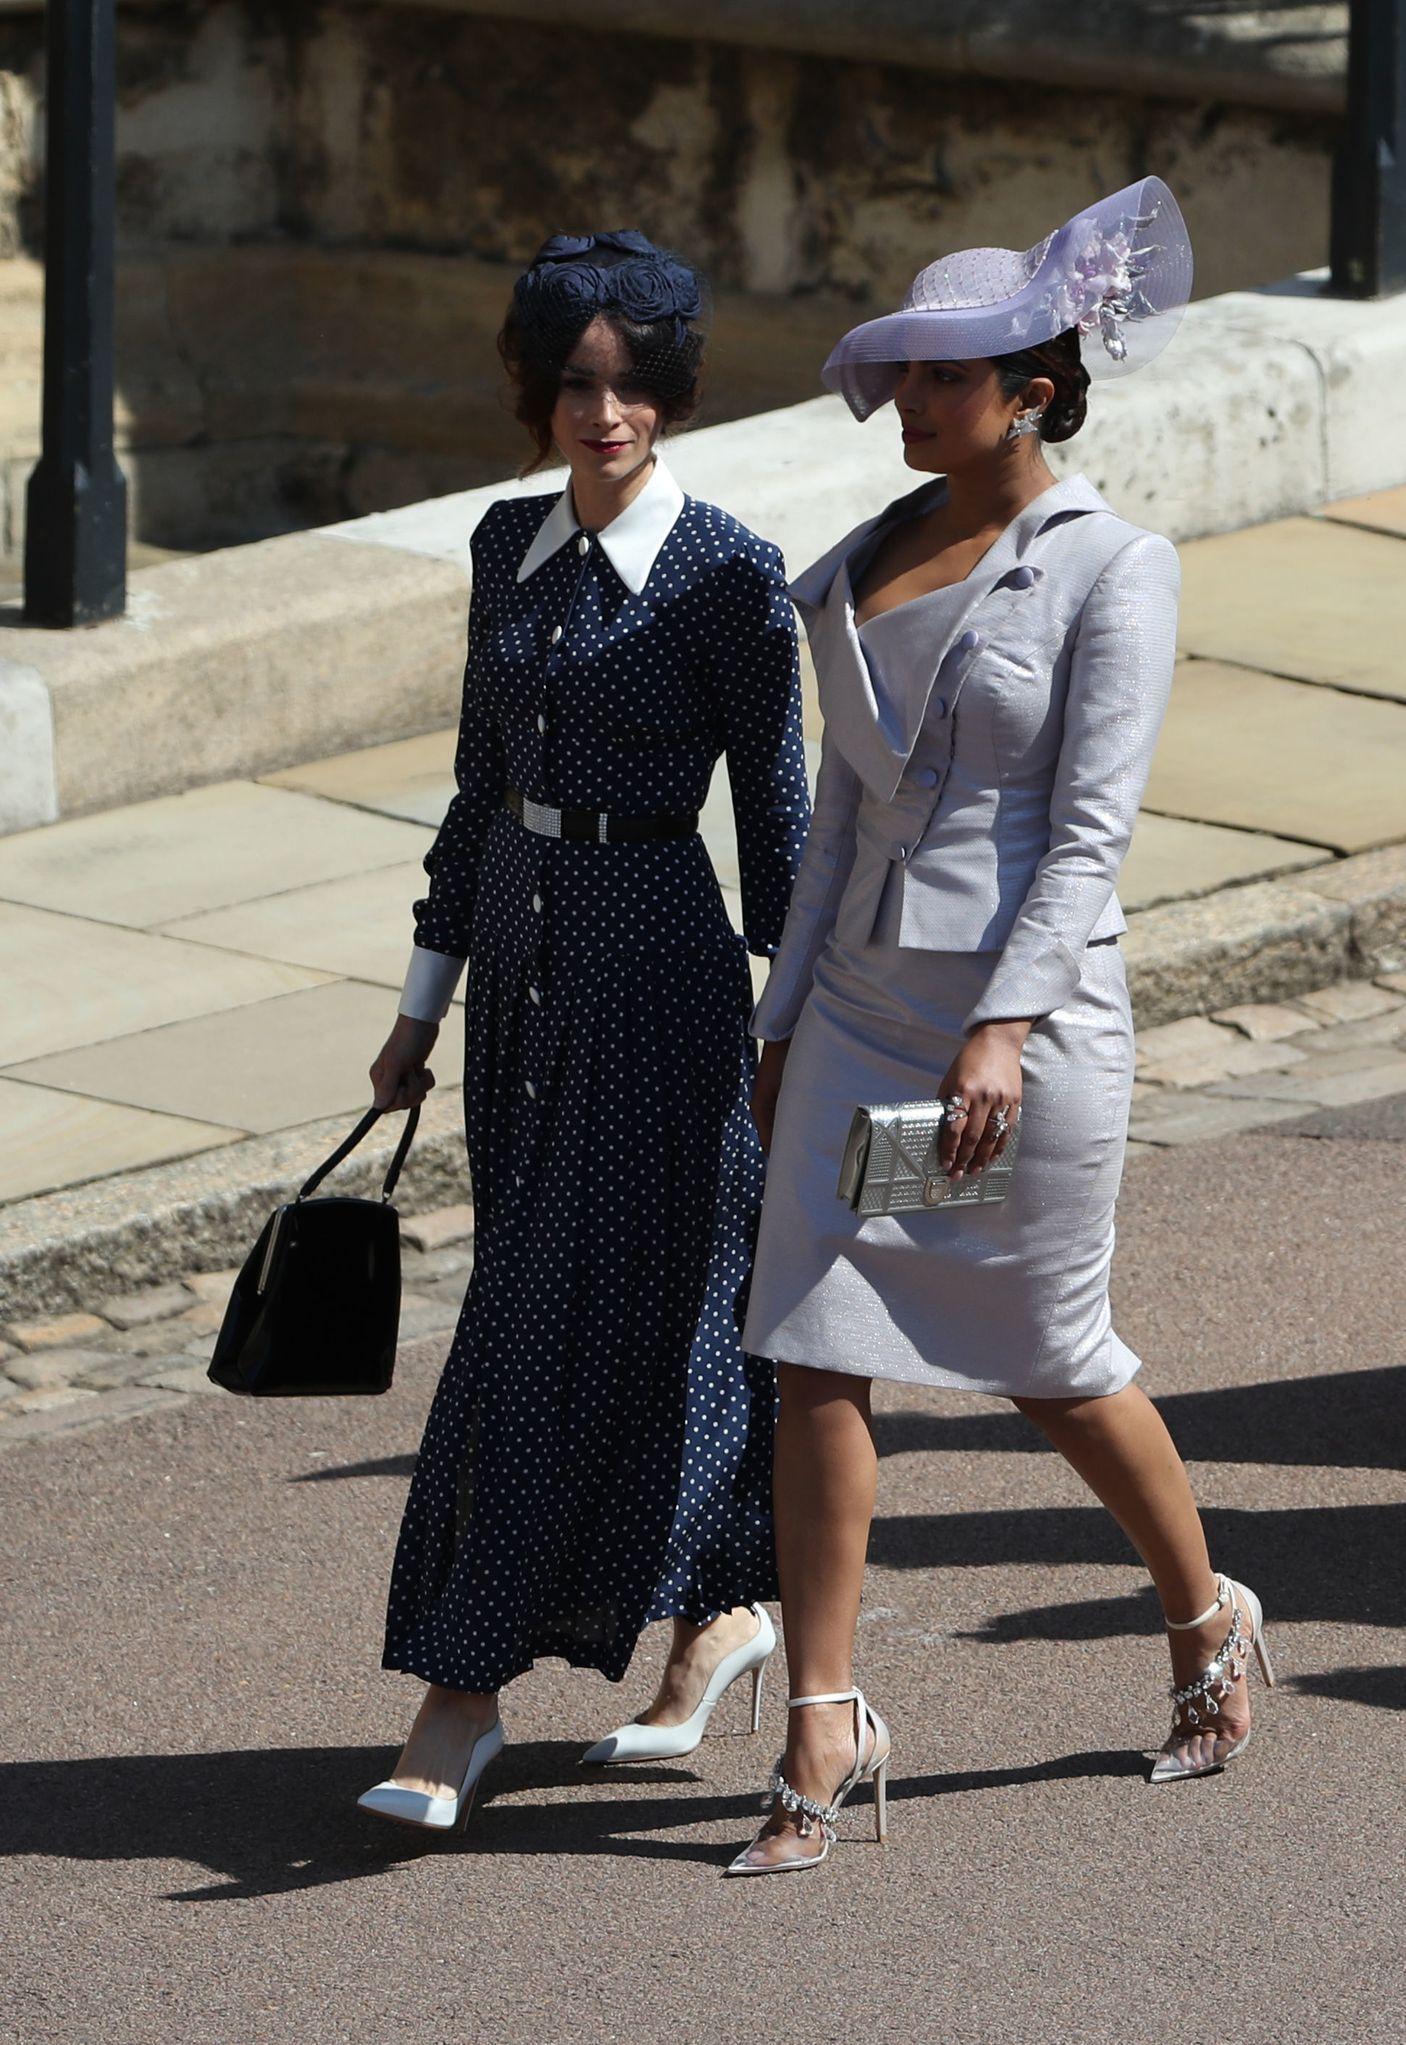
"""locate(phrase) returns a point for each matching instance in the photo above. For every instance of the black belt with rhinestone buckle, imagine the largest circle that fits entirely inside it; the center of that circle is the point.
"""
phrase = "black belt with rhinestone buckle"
(591, 826)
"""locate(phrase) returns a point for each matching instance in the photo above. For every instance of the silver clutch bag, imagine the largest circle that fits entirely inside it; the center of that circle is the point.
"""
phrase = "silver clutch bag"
(891, 1163)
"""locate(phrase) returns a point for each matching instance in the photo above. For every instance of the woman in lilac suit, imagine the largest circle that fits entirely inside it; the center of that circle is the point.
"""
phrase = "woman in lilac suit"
(994, 654)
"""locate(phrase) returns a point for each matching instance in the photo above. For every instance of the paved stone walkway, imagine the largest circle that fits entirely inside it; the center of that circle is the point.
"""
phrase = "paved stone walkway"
(1261, 1062)
(1207, 1077)
(191, 1699)
(190, 971)
(151, 1348)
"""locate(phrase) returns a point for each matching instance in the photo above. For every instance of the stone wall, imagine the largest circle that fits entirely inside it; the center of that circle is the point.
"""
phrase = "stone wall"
(428, 128)
(266, 387)
(322, 203)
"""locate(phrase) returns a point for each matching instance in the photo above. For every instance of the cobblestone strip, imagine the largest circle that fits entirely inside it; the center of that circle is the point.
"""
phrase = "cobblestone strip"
(1204, 1077)
(1260, 1062)
(142, 1350)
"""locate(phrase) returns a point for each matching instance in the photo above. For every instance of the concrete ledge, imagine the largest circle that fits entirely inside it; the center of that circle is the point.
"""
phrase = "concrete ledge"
(203, 1213)
(234, 663)
(1258, 943)
(1263, 942)
(1269, 940)
(1372, 887)
(28, 786)
(1255, 412)
(1355, 349)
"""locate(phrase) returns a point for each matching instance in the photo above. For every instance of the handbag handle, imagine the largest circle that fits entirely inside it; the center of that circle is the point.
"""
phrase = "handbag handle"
(344, 1149)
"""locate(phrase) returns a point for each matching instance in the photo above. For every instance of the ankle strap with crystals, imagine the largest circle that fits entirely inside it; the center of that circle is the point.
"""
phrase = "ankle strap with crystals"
(1216, 1681)
(805, 1808)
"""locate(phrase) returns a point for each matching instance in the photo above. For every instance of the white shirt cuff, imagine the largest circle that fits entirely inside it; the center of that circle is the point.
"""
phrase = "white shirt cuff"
(429, 984)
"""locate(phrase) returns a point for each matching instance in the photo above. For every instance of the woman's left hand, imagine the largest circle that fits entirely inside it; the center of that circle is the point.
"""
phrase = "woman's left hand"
(986, 1073)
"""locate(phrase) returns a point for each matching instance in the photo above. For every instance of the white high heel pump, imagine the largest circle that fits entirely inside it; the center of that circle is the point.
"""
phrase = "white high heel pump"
(1196, 1704)
(871, 1767)
(436, 1813)
(671, 1742)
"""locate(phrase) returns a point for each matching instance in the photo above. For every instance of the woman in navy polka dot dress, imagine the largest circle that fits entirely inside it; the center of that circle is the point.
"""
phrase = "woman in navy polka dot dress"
(598, 1455)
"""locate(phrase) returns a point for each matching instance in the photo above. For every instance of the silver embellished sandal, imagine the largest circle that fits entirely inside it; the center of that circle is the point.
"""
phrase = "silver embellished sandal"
(1196, 1706)
(873, 1766)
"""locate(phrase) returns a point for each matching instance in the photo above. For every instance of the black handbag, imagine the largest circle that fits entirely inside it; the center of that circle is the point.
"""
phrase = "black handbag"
(316, 1308)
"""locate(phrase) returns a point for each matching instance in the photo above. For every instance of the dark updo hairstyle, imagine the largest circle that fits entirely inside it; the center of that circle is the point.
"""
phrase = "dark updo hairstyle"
(649, 296)
(1061, 362)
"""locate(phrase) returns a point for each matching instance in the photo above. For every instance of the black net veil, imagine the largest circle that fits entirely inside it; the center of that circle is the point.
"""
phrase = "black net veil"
(652, 297)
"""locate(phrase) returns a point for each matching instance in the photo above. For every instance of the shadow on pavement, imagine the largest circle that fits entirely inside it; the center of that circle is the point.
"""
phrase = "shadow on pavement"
(265, 1822)
(1336, 1564)
(269, 1823)
(286, 1819)
(1346, 1419)
(1349, 1419)
(1007, 1534)
(1385, 1688)
(1329, 1563)
(374, 1466)
(1068, 1768)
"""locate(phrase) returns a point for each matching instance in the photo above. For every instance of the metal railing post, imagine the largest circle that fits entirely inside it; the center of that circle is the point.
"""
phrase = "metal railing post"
(75, 565)
(1368, 244)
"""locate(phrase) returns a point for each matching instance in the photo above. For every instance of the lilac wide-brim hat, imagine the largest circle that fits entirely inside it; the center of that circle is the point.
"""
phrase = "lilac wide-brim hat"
(1121, 269)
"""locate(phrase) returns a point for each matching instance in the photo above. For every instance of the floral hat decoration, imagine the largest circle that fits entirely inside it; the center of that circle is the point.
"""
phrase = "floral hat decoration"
(1119, 271)
(575, 278)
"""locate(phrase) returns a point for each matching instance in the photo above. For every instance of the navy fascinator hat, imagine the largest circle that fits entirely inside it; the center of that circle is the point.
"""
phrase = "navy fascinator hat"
(575, 278)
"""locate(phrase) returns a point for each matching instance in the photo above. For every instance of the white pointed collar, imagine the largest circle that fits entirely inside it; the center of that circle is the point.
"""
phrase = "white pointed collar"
(631, 542)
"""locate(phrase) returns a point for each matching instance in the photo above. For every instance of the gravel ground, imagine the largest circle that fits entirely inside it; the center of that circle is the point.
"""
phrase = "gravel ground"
(191, 1698)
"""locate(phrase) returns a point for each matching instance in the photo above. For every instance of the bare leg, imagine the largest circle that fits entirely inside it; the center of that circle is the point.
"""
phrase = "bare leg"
(694, 1653)
(436, 1755)
(825, 1479)
(1121, 1448)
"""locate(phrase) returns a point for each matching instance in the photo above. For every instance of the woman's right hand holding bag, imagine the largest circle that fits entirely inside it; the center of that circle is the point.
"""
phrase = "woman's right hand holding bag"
(399, 1075)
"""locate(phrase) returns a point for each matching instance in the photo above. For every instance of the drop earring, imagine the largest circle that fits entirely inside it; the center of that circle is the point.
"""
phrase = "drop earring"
(1023, 423)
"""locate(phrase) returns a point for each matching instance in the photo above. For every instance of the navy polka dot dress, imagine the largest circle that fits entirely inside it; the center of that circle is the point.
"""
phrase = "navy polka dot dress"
(598, 1454)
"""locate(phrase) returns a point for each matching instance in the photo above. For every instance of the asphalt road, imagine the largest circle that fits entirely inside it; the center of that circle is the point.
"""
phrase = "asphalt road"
(191, 1702)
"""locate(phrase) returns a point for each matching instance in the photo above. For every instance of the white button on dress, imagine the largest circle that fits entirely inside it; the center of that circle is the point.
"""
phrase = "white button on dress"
(583, 545)
(541, 722)
(537, 903)
(557, 631)
(531, 1091)
(535, 994)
